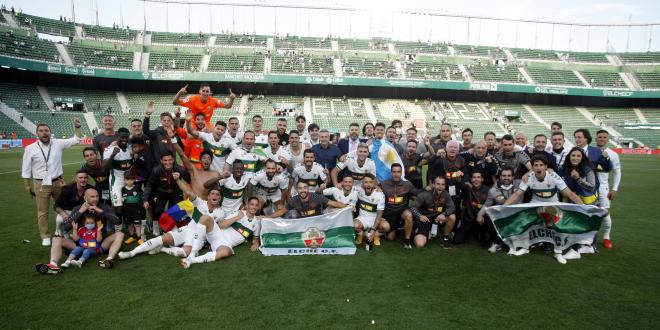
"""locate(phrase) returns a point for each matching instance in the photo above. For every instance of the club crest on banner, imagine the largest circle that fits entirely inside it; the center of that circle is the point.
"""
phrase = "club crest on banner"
(313, 237)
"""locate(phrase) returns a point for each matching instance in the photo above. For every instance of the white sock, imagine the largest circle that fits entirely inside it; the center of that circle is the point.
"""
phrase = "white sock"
(174, 251)
(155, 228)
(59, 222)
(143, 236)
(54, 263)
(208, 257)
(607, 226)
(148, 246)
(118, 228)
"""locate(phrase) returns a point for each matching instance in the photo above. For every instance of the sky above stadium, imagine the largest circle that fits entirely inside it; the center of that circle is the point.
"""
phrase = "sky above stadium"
(373, 18)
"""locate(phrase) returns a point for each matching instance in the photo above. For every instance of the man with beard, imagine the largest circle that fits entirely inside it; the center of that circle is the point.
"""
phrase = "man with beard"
(413, 161)
(439, 142)
(301, 127)
(393, 139)
(355, 165)
(351, 142)
(281, 131)
(306, 204)
(120, 160)
(143, 159)
(479, 160)
(162, 189)
(451, 166)
(95, 169)
(42, 161)
(70, 197)
(187, 239)
(411, 135)
(497, 195)
(215, 142)
(232, 187)
(344, 193)
(224, 235)
(250, 157)
(540, 143)
(279, 154)
(466, 135)
(269, 187)
(517, 160)
(162, 137)
(326, 153)
(433, 208)
(111, 243)
(371, 204)
(202, 102)
(198, 176)
(310, 172)
(193, 146)
(397, 195)
(558, 150)
(474, 197)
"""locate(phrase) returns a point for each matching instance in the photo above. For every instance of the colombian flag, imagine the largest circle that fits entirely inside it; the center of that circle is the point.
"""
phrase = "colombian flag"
(178, 215)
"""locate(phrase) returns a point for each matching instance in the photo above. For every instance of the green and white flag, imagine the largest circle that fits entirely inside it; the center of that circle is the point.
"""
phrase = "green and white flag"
(562, 224)
(330, 233)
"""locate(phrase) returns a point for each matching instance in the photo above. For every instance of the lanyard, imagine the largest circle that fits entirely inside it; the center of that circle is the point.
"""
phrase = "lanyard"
(46, 158)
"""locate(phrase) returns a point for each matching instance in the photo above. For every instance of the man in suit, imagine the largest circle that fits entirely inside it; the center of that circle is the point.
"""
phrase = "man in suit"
(350, 143)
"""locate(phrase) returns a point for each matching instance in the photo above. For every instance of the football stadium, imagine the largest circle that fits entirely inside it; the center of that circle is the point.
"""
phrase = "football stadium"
(295, 164)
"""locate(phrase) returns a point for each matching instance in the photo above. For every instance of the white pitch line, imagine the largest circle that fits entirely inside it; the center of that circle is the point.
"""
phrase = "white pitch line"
(18, 171)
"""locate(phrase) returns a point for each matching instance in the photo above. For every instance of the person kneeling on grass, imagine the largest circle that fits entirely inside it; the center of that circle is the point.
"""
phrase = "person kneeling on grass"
(111, 243)
(88, 238)
(370, 203)
(229, 233)
(186, 240)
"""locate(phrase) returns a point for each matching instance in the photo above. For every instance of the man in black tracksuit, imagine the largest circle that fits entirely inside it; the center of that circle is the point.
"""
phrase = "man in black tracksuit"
(161, 188)
(475, 195)
(397, 194)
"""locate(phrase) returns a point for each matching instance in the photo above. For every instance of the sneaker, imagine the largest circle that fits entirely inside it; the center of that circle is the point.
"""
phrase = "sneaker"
(571, 255)
(125, 255)
(185, 263)
(519, 252)
(587, 249)
(494, 248)
(66, 264)
(560, 259)
(359, 239)
(130, 240)
(407, 244)
(446, 243)
(376, 240)
(76, 263)
(107, 263)
(48, 269)
(155, 251)
(607, 243)
(140, 241)
(45, 241)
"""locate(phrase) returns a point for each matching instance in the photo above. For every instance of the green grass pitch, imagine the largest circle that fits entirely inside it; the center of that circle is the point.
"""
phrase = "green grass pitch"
(466, 287)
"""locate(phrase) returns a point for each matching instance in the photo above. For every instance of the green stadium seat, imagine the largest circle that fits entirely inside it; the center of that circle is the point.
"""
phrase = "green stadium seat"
(302, 64)
(28, 47)
(604, 79)
(236, 63)
(488, 72)
(554, 77)
(103, 32)
(174, 62)
(104, 58)
(47, 25)
(179, 38)
(648, 80)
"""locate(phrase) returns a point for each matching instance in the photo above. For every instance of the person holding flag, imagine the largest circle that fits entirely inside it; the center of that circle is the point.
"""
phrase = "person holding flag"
(383, 154)
(182, 238)
(202, 102)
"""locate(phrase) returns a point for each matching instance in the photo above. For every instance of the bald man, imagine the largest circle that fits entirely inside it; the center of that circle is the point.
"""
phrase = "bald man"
(111, 243)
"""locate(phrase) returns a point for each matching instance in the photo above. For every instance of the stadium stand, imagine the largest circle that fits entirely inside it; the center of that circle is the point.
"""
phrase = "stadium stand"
(613, 117)
(178, 38)
(339, 112)
(584, 57)
(102, 32)
(411, 47)
(47, 25)
(12, 44)
(603, 79)
(364, 67)
(648, 79)
(649, 57)
(488, 72)
(534, 54)
(553, 77)
(295, 42)
(18, 96)
(104, 58)
(478, 51)
(241, 40)
(570, 118)
(60, 122)
(174, 62)
(236, 63)
(9, 126)
(436, 69)
(306, 63)
(267, 106)
(525, 123)
(363, 44)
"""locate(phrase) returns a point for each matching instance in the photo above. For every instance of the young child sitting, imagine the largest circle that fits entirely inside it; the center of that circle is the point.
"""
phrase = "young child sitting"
(89, 240)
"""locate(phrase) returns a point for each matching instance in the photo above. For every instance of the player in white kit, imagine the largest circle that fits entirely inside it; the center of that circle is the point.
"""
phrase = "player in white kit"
(605, 194)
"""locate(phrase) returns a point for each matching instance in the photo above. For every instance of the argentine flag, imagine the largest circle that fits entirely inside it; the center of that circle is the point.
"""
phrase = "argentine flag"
(384, 155)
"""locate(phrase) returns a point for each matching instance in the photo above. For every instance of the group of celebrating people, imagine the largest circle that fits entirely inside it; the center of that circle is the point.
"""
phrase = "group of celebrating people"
(234, 179)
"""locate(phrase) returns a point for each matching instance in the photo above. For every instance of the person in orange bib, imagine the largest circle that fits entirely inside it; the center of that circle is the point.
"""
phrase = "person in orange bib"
(202, 102)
